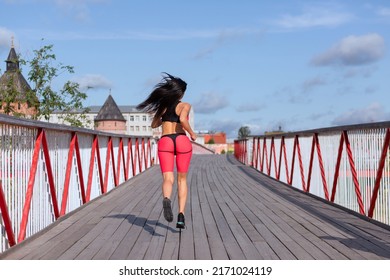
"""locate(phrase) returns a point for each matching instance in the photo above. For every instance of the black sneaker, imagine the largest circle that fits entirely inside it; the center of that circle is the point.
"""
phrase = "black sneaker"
(168, 215)
(180, 221)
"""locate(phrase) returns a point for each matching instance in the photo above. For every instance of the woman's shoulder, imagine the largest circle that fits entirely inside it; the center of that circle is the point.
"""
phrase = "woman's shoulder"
(184, 104)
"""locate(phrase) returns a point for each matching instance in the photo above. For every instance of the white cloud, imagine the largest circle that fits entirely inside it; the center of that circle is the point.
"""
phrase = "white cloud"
(209, 103)
(93, 81)
(250, 107)
(225, 36)
(384, 12)
(353, 50)
(77, 9)
(230, 127)
(361, 72)
(314, 17)
(313, 83)
(372, 113)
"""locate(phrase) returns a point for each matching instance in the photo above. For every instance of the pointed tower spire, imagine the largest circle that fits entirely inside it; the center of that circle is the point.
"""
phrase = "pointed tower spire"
(110, 118)
(110, 111)
(12, 60)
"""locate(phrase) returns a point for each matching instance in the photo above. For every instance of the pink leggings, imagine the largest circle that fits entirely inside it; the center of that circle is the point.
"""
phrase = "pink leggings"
(174, 144)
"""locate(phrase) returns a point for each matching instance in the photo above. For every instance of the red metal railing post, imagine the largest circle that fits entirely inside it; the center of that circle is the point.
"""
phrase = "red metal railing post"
(337, 169)
(30, 186)
(264, 155)
(120, 155)
(301, 166)
(50, 176)
(322, 169)
(80, 170)
(354, 174)
(68, 174)
(6, 218)
(379, 173)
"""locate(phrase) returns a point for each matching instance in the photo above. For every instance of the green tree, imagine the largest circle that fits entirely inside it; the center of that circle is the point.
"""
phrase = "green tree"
(8, 96)
(45, 99)
(243, 132)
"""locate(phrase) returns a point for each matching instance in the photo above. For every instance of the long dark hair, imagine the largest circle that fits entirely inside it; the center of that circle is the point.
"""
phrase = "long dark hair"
(170, 90)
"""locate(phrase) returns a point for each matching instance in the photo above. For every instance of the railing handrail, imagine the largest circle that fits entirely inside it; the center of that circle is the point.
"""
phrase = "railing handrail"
(373, 125)
(29, 123)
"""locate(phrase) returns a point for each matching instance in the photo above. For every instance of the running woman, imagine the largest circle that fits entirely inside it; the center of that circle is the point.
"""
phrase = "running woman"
(172, 114)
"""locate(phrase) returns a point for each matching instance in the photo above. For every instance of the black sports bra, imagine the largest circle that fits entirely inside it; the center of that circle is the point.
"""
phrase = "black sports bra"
(170, 114)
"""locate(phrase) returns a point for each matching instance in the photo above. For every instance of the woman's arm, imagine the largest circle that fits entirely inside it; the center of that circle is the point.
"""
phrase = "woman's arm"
(184, 120)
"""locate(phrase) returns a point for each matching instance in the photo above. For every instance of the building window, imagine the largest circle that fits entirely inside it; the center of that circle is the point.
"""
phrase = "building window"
(144, 118)
(137, 118)
(137, 128)
(144, 128)
(150, 118)
(131, 118)
(132, 128)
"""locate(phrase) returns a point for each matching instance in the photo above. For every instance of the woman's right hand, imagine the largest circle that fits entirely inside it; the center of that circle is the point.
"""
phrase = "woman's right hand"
(193, 136)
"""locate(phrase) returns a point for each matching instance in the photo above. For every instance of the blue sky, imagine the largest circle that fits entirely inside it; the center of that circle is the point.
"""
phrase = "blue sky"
(295, 64)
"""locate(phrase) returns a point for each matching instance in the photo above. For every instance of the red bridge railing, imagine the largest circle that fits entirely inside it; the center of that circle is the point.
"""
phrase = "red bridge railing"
(47, 171)
(348, 165)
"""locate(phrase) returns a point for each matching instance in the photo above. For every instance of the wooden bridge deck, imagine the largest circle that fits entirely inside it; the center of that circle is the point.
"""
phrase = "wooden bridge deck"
(233, 212)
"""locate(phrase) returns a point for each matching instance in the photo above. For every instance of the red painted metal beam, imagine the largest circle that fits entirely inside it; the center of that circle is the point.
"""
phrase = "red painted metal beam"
(322, 169)
(6, 218)
(379, 173)
(50, 176)
(138, 155)
(280, 158)
(293, 160)
(337, 169)
(129, 157)
(120, 156)
(311, 163)
(264, 155)
(91, 167)
(80, 170)
(68, 174)
(301, 165)
(273, 155)
(257, 153)
(285, 159)
(143, 152)
(30, 186)
(354, 174)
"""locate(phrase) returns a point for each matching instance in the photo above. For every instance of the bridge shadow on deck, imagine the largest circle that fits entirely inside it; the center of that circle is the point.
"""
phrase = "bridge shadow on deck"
(233, 212)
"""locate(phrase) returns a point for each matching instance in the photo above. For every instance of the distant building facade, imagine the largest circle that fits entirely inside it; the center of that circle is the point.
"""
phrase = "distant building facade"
(215, 141)
(137, 123)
